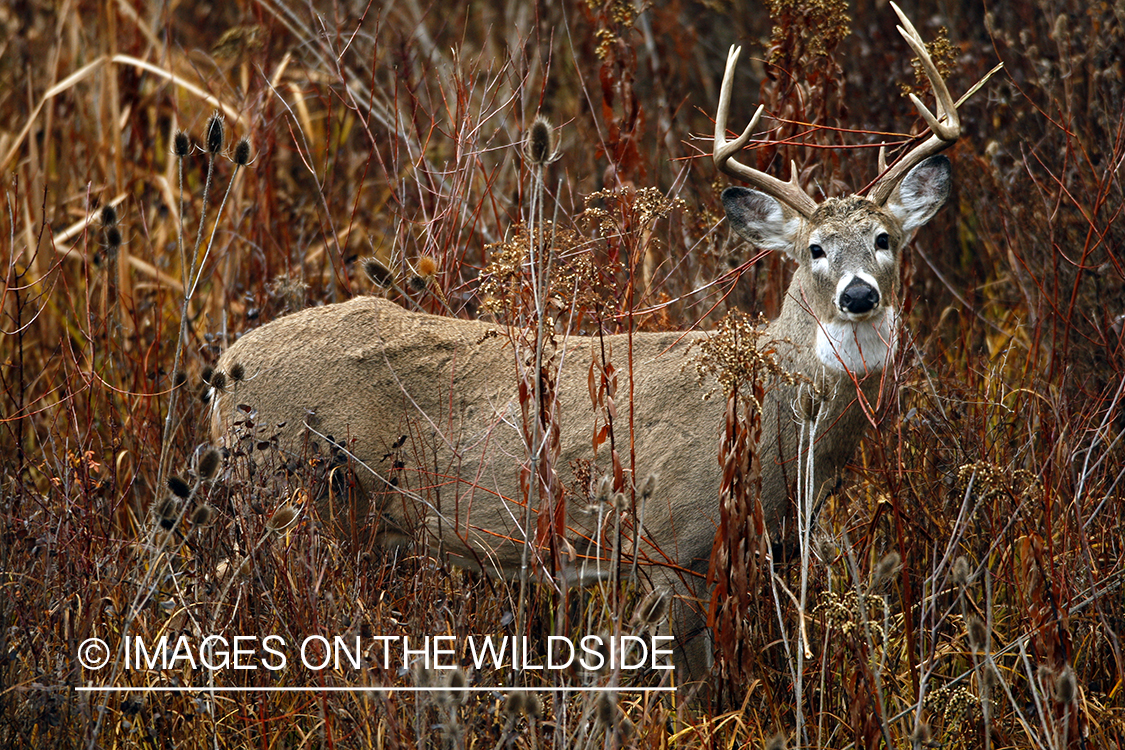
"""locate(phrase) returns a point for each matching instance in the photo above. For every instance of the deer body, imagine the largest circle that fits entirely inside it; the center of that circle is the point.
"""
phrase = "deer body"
(428, 407)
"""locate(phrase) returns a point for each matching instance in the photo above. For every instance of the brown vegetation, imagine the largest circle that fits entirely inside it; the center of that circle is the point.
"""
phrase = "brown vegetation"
(967, 583)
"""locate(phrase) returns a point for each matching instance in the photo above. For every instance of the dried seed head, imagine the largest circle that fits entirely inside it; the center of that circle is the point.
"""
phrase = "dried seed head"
(532, 706)
(179, 378)
(424, 274)
(539, 147)
(237, 372)
(620, 501)
(961, 571)
(205, 376)
(377, 272)
(1066, 687)
(605, 489)
(168, 513)
(202, 515)
(208, 464)
(423, 677)
(218, 380)
(514, 705)
(179, 487)
(112, 238)
(607, 710)
(887, 567)
(648, 487)
(457, 684)
(777, 742)
(651, 611)
(921, 735)
(978, 633)
(109, 215)
(181, 144)
(281, 520)
(242, 151)
(215, 134)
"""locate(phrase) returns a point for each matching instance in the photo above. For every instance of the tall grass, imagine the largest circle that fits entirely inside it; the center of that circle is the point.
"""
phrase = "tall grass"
(964, 586)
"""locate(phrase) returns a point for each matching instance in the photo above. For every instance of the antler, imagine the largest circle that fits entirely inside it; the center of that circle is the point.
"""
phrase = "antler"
(789, 193)
(945, 126)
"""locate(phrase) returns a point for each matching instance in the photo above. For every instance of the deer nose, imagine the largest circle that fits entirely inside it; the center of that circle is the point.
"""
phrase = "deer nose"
(859, 297)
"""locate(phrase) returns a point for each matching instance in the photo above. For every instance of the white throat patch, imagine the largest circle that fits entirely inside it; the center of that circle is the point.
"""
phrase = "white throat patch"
(859, 348)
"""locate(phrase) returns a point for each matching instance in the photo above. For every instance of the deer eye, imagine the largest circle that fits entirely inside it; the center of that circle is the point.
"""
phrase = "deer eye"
(882, 241)
(816, 251)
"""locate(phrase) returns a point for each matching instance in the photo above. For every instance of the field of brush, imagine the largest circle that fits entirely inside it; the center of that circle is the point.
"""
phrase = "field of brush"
(966, 585)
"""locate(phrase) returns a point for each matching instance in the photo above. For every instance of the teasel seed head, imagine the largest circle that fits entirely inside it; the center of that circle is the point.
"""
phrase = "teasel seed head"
(215, 134)
(202, 515)
(208, 464)
(282, 519)
(887, 567)
(112, 238)
(237, 372)
(961, 571)
(168, 513)
(921, 735)
(218, 380)
(242, 151)
(181, 144)
(605, 489)
(539, 147)
(978, 633)
(514, 705)
(205, 376)
(424, 274)
(532, 706)
(1066, 687)
(620, 502)
(179, 487)
(457, 684)
(777, 742)
(179, 378)
(607, 710)
(379, 274)
(109, 215)
(648, 487)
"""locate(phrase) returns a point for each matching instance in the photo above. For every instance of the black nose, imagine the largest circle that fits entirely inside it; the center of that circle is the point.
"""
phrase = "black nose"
(859, 297)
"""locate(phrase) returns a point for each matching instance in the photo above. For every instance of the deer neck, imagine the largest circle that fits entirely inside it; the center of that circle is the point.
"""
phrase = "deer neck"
(836, 347)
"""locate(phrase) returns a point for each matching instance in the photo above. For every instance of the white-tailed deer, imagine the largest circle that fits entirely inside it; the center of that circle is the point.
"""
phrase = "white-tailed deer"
(429, 411)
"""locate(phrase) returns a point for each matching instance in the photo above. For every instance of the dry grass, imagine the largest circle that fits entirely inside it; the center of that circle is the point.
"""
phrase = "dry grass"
(968, 589)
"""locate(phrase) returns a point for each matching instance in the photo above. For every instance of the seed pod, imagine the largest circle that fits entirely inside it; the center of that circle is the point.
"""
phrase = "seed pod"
(181, 144)
(215, 134)
(208, 464)
(539, 147)
(179, 487)
(242, 152)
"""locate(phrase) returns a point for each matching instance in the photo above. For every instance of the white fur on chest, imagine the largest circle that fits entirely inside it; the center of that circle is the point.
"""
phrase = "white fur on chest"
(859, 348)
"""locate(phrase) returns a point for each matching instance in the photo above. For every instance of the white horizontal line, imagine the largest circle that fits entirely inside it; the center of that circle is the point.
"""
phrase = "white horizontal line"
(339, 689)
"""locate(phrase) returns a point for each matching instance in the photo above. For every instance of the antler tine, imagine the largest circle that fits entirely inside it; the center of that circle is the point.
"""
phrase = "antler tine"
(789, 193)
(945, 126)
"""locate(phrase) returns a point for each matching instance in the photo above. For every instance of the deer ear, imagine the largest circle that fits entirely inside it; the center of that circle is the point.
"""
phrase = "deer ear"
(761, 220)
(922, 192)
